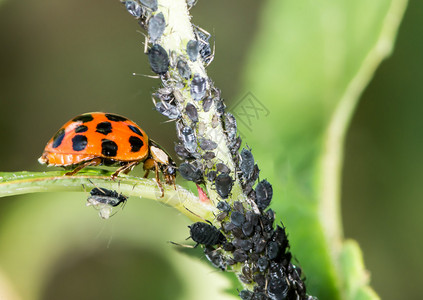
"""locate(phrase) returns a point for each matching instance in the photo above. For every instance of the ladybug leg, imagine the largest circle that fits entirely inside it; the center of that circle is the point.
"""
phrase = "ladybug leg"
(156, 169)
(125, 169)
(151, 164)
(92, 162)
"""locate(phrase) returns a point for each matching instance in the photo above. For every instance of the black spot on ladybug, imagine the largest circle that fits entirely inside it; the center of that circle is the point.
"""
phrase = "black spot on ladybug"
(79, 142)
(104, 128)
(108, 148)
(136, 143)
(135, 129)
(83, 118)
(81, 128)
(58, 138)
(115, 118)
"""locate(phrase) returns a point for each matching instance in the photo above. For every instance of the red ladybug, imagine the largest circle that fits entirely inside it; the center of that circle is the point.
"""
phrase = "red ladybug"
(98, 138)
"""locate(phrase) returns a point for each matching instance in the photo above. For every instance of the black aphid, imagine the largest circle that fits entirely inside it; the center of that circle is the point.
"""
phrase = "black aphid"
(168, 110)
(151, 4)
(108, 197)
(198, 87)
(156, 27)
(209, 155)
(245, 295)
(133, 8)
(223, 185)
(207, 144)
(223, 206)
(264, 193)
(192, 50)
(222, 168)
(230, 127)
(204, 45)
(190, 172)
(277, 288)
(189, 139)
(247, 163)
(183, 69)
(206, 234)
(181, 151)
(240, 255)
(192, 113)
(207, 104)
(159, 59)
(237, 218)
(215, 257)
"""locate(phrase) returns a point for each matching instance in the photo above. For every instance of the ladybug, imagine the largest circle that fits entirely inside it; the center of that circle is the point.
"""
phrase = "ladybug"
(99, 138)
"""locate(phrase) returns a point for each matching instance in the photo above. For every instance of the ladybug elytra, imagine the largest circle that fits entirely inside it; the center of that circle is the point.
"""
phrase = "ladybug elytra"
(99, 138)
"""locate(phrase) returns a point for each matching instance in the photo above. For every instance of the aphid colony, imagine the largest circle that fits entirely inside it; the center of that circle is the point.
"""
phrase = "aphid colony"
(246, 235)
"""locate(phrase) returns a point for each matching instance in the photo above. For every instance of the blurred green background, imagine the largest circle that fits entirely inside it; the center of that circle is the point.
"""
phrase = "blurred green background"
(62, 58)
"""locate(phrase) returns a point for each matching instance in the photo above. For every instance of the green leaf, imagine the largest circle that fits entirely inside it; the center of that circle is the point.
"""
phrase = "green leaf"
(309, 64)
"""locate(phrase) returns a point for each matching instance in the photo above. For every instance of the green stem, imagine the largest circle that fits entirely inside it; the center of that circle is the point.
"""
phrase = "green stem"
(34, 182)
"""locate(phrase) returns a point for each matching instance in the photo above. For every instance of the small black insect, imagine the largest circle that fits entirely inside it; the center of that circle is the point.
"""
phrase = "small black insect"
(277, 288)
(215, 257)
(204, 45)
(247, 163)
(223, 206)
(245, 245)
(164, 94)
(191, 172)
(192, 50)
(104, 200)
(240, 255)
(168, 110)
(134, 8)
(206, 234)
(159, 59)
(183, 69)
(230, 127)
(207, 104)
(223, 185)
(156, 26)
(222, 168)
(207, 144)
(237, 218)
(181, 151)
(262, 263)
(211, 176)
(192, 113)
(264, 193)
(151, 4)
(198, 87)
(245, 295)
(209, 155)
(189, 139)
